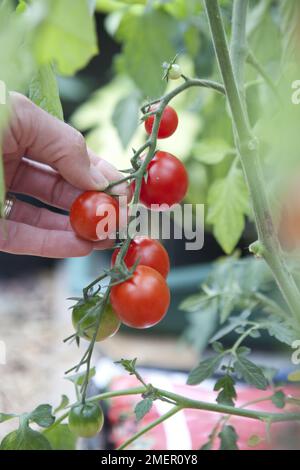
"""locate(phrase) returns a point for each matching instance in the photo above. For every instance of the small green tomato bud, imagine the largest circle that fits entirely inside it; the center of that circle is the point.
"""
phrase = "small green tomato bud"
(174, 72)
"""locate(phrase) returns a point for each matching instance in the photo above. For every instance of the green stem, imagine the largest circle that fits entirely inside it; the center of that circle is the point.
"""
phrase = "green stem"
(150, 426)
(238, 48)
(230, 410)
(251, 59)
(249, 155)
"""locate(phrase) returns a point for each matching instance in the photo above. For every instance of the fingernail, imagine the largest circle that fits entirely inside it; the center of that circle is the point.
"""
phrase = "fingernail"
(98, 177)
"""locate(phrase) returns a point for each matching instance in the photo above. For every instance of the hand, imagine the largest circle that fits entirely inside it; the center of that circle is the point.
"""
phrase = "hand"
(57, 168)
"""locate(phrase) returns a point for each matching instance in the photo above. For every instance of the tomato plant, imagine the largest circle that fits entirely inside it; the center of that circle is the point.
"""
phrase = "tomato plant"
(167, 125)
(89, 210)
(84, 318)
(86, 420)
(147, 252)
(143, 300)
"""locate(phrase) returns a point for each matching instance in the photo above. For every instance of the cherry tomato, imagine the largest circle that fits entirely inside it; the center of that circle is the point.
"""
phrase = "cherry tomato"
(149, 253)
(143, 300)
(84, 317)
(166, 182)
(168, 123)
(94, 215)
(86, 420)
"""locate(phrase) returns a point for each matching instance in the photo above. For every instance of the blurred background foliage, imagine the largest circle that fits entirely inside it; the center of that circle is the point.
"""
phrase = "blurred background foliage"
(102, 93)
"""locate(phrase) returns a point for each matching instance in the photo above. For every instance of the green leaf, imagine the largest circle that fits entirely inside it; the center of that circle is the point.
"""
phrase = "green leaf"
(251, 373)
(61, 438)
(42, 415)
(228, 437)
(63, 403)
(279, 399)
(129, 365)
(210, 152)
(25, 439)
(227, 393)
(6, 417)
(142, 408)
(282, 331)
(204, 370)
(126, 117)
(79, 378)
(148, 43)
(203, 323)
(43, 91)
(227, 206)
(66, 36)
(206, 446)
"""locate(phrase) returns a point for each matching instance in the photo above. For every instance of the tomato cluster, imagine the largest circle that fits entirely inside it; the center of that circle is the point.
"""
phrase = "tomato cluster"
(143, 298)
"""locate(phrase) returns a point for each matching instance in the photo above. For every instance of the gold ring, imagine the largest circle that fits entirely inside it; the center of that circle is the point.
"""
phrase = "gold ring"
(8, 205)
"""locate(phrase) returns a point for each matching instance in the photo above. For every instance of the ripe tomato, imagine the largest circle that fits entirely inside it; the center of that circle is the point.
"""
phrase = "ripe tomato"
(168, 123)
(166, 182)
(149, 253)
(94, 215)
(143, 300)
(84, 317)
(86, 420)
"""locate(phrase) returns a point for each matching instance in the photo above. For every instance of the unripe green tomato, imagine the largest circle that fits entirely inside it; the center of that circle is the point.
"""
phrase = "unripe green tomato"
(174, 72)
(109, 322)
(86, 420)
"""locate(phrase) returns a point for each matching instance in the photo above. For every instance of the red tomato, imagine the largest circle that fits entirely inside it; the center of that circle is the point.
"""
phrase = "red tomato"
(167, 181)
(94, 215)
(168, 123)
(143, 300)
(149, 253)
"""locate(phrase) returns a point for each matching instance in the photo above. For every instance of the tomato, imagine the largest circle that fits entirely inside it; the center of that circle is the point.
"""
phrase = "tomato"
(174, 72)
(168, 123)
(86, 420)
(166, 182)
(143, 300)
(149, 253)
(94, 215)
(84, 317)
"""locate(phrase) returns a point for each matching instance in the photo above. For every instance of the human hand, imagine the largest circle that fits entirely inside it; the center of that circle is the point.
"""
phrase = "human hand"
(48, 159)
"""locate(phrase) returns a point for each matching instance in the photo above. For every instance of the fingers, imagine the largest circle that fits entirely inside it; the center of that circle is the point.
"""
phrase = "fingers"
(111, 174)
(43, 138)
(39, 217)
(22, 239)
(45, 184)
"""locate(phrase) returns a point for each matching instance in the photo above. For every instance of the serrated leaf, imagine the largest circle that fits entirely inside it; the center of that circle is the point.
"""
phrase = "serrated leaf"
(251, 373)
(228, 203)
(227, 393)
(61, 438)
(43, 91)
(6, 416)
(204, 370)
(25, 438)
(125, 118)
(42, 415)
(217, 347)
(228, 437)
(279, 399)
(282, 331)
(66, 36)
(142, 408)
